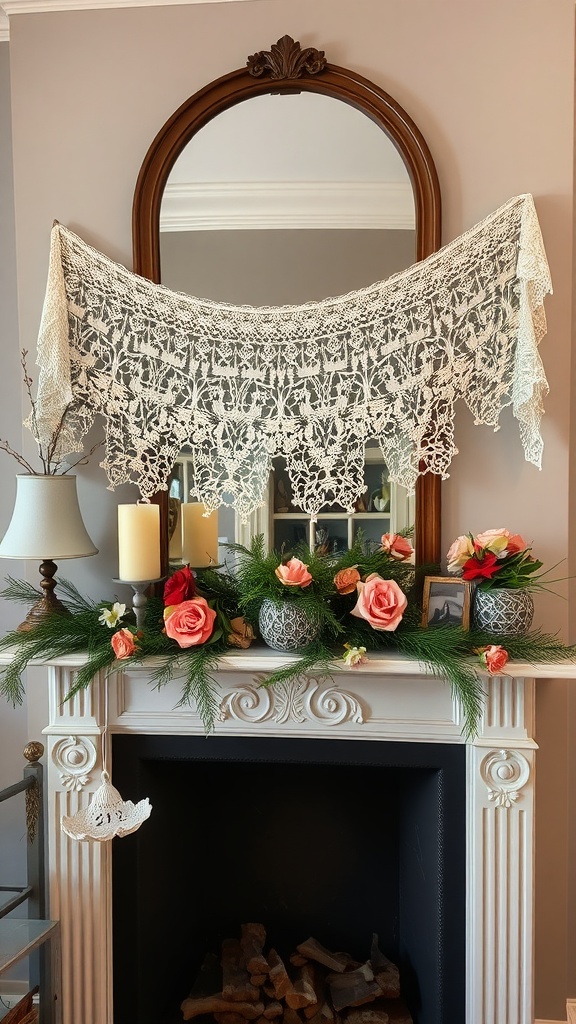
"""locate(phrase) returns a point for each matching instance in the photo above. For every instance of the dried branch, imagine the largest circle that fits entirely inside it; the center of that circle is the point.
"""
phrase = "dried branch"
(5, 447)
(83, 460)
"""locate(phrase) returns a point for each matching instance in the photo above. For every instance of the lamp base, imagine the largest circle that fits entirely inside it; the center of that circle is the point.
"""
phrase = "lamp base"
(46, 605)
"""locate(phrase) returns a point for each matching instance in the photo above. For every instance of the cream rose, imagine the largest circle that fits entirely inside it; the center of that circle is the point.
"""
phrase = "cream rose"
(381, 602)
(495, 541)
(460, 551)
(189, 623)
(294, 573)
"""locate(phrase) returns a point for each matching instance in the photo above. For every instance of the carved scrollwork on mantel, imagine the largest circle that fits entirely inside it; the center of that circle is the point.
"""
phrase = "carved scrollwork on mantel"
(286, 59)
(74, 757)
(505, 773)
(308, 699)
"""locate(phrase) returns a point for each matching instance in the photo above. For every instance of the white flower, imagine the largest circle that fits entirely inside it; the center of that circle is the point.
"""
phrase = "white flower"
(110, 616)
(354, 656)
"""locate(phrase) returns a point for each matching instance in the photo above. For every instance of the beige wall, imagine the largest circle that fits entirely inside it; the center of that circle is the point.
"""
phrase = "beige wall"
(490, 85)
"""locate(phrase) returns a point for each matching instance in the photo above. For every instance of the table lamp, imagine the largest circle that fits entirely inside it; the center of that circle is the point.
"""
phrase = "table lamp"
(46, 524)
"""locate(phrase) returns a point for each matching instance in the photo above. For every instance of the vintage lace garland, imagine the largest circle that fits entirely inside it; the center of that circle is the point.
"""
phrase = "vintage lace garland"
(313, 383)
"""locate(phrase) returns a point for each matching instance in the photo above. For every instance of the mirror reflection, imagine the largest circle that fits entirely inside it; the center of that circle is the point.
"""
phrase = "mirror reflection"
(281, 200)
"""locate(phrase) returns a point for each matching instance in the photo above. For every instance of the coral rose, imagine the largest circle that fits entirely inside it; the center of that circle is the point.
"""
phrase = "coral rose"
(459, 552)
(294, 574)
(181, 586)
(381, 602)
(396, 546)
(123, 643)
(345, 581)
(493, 657)
(189, 623)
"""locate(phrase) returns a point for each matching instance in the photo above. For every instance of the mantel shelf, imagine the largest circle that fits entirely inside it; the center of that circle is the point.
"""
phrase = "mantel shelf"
(262, 659)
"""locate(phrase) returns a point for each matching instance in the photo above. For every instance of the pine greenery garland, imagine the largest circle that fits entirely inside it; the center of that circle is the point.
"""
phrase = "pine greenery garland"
(448, 652)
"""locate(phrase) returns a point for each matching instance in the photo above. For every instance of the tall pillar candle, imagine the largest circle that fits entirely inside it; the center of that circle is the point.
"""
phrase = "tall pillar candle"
(138, 542)
(199, 535)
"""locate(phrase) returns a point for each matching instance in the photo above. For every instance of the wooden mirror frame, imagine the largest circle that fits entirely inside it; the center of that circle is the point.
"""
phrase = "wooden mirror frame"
(287, 68)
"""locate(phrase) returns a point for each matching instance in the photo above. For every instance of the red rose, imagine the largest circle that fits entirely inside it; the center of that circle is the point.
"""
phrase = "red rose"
(481, 568)
(190, 623)
(181, 586)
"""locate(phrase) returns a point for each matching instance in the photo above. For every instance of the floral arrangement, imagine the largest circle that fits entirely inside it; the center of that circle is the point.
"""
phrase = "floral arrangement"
(366, 599)
(495, 559)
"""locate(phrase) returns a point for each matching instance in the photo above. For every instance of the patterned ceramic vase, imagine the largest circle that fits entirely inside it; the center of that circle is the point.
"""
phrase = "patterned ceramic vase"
(285, 626)
(503, 612)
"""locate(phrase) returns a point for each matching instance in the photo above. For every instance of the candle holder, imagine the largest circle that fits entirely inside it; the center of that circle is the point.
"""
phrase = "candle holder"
(140, 599)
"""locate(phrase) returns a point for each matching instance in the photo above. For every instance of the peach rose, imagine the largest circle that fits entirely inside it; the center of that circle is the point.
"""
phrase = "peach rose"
(345, 581)
(123, 643)
(381, 602)
(189, 623)
(461, 550)
(493, 658)
(396, 546)
(294, 574)
(516, 543)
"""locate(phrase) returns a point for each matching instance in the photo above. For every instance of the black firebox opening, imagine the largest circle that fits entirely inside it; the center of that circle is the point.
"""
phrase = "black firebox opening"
(335, 839)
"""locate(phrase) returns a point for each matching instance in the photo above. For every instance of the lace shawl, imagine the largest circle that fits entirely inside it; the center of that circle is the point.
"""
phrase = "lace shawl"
(313, 383)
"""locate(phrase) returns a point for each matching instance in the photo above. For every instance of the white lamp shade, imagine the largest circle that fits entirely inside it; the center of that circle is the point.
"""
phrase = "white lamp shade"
(46, 522)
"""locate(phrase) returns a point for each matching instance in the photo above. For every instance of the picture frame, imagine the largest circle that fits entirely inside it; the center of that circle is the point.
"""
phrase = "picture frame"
(446, 601)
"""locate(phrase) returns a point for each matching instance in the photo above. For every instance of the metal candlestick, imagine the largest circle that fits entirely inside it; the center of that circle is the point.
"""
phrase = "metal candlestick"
(140, 599)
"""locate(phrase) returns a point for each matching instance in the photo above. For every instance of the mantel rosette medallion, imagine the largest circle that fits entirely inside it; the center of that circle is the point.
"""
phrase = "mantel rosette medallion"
(505, 773)
(74, 757)
(307, 699)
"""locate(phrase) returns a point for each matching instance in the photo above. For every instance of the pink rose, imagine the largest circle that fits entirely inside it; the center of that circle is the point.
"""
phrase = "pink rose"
(493, 658)
(189, 623)
(123, 643)
(294, 574)
(396, 546)
(180, 586)
(461, 550)
(381, 602)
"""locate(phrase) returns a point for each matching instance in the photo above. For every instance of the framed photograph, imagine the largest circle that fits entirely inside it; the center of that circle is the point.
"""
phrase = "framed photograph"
(446, 602)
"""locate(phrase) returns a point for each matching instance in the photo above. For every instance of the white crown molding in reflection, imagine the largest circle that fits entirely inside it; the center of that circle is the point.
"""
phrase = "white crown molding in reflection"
(43, 6)
(208, 206)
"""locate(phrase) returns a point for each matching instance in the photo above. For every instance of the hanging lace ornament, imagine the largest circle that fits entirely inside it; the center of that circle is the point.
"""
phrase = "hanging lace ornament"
(313, 383)
(107, 815)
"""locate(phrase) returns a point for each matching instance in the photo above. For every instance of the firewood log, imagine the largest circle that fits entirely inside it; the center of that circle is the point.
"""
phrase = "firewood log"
(258, 979)
(252, 939)
(318, 982)
(273, 1010)
(297, 960)
(386, 973)
(235, 978)
(315, 951)
(367, 1016)
(192, 1007)
(278, 975)
(354, 988)
(291, 1016)
(230, 1018)
(303, 993)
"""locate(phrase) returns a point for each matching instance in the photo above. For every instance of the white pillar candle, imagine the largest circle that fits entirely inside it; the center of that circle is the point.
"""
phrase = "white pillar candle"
(138, 542)
(199, 535)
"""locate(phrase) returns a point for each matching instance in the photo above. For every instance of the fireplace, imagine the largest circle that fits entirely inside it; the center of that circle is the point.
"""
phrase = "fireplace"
(334, 839)
(391, 708)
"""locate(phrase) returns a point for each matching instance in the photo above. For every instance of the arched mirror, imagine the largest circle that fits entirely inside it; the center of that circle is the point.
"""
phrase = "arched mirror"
(284, 182)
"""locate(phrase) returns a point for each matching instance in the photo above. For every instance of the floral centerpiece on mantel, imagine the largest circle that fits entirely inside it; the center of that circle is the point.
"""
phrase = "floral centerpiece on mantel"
(366, 599)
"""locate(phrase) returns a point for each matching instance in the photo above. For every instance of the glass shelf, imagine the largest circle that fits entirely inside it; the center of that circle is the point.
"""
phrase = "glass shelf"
(18, 938)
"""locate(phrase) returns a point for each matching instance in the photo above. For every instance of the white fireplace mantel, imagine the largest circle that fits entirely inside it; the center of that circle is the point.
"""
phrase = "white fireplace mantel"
(388, 699)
